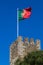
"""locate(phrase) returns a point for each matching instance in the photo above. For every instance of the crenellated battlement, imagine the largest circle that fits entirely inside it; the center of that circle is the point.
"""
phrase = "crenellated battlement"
(21, 47)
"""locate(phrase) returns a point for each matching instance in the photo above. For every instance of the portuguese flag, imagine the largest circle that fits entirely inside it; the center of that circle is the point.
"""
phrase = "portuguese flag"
(25, 13)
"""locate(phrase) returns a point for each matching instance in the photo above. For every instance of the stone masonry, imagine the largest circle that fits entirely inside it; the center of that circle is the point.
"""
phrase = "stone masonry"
(21, 48)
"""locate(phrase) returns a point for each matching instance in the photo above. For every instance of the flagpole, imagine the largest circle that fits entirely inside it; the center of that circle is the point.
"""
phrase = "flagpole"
(17, 23)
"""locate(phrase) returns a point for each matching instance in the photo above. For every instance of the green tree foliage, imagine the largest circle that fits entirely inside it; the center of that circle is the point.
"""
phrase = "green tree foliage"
(33, 58)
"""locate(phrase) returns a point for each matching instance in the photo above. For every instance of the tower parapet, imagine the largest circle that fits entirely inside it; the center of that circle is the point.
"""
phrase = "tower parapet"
(20, 48)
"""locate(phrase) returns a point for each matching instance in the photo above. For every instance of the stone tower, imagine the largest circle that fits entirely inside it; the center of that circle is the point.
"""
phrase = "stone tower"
(21, 48)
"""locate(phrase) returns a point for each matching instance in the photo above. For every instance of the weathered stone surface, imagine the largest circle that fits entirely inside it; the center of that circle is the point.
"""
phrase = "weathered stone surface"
(20, 48)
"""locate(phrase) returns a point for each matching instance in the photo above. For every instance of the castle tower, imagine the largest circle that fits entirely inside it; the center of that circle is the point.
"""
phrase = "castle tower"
(38, 44)
(20, 48)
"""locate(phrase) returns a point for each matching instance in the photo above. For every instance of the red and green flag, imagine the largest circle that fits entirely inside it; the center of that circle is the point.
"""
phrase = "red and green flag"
(25, 13)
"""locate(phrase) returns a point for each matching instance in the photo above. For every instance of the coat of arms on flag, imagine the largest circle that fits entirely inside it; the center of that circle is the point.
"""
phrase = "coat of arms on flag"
(25, 13)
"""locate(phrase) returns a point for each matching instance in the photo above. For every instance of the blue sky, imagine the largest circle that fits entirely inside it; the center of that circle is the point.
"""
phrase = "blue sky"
(32, 27)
